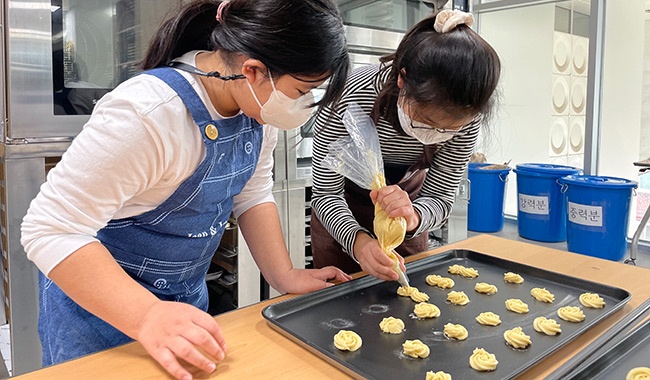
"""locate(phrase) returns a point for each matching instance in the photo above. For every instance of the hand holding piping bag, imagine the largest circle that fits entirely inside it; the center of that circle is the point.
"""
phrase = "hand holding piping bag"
(358, 157)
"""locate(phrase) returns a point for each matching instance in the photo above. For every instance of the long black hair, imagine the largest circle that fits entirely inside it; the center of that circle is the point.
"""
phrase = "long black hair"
(304, 37)
(457, 71)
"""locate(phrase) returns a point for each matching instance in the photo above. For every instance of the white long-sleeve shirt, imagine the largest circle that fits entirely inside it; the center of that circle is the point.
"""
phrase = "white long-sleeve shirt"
(138, 146)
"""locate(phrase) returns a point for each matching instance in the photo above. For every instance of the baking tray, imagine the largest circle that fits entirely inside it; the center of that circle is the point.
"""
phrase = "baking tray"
(624, 346)
(313, 319)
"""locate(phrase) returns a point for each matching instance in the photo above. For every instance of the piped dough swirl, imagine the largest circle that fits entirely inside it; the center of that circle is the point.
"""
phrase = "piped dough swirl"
(415, 348)
(439, 281)
(391, 325)
(413, 292)
(346, 340)
(438, 375)
(426, 310)
(463, 271)
(571, 314)
(592, 300)
(638, 373)
(541, 294)
(482, 360)
(458, 298)
(516, 305)
(485, 288)
(488, 318)
(546, 326)
(513, 278)
(517, 338)
(454, 331)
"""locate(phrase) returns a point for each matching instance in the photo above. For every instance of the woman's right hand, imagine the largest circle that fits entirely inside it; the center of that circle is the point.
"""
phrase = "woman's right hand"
(173, 330)
(373, 259)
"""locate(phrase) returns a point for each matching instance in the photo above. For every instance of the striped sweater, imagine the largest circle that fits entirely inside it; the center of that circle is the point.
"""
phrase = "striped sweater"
(436, 198)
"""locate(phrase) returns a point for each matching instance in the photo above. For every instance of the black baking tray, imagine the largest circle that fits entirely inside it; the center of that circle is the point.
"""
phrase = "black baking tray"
(624, 346)
(313, 319)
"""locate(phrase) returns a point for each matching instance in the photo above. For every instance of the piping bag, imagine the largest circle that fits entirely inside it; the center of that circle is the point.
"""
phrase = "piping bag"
(358, 158)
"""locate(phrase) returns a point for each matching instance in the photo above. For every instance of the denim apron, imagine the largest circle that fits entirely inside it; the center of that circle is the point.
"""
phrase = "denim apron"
(167, 250)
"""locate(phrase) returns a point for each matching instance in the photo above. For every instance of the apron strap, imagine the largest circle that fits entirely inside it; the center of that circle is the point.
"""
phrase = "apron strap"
(188, 95)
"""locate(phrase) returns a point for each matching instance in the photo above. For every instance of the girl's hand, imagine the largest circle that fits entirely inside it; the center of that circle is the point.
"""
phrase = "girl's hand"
(173, 330)
(373, 259)
(298, 281)
(396, 202)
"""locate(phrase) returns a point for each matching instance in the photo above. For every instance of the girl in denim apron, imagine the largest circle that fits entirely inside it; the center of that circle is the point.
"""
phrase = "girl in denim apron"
(427, 100)
(124, 229)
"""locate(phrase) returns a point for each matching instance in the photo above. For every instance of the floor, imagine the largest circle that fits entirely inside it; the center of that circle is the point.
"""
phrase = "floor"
(509, 231)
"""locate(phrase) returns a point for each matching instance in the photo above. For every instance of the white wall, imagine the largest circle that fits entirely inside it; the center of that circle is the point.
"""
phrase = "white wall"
(523, 38)
(622, 88)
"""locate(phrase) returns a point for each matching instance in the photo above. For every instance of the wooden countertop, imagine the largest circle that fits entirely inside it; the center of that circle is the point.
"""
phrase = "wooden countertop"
(257, 351)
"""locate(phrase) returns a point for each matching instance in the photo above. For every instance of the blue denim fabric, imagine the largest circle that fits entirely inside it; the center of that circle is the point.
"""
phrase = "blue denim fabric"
(167, 250)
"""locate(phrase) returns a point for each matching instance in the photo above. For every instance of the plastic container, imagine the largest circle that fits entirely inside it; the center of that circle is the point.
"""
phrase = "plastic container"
(597, 212)
(541, 214)
(487, 194)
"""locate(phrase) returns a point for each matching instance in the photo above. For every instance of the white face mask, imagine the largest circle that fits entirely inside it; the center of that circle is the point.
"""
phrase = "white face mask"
(282, 111)
(426, 134)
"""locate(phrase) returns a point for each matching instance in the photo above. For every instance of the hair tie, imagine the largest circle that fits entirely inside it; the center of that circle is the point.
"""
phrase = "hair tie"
(220, 10)
(447, 20)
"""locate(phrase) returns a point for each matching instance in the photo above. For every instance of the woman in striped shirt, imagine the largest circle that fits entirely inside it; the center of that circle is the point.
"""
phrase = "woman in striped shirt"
(428, 100)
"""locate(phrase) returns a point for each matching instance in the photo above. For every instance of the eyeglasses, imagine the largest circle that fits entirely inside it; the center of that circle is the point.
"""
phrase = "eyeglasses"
(423, 126)
(452, 132)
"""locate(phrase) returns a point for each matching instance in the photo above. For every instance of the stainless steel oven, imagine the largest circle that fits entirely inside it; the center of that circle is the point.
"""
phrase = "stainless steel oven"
(63, 55)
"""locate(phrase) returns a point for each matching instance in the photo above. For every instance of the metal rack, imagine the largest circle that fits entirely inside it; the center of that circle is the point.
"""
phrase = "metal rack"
(634, 245)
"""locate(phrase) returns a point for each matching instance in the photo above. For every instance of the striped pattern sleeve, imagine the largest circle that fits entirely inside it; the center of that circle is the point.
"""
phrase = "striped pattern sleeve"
(438, 192)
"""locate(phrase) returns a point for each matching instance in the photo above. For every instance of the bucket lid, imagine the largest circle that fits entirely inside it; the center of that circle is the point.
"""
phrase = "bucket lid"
(479, 167)
(598, 181)
(556, 170)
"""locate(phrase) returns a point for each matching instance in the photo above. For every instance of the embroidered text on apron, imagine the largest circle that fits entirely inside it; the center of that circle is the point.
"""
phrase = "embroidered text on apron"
(167, 250)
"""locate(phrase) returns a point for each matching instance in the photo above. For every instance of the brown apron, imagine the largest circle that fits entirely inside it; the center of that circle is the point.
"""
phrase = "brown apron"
(327, 251)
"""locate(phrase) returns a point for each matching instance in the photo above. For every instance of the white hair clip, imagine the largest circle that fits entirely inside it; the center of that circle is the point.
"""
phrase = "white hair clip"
(447, 20)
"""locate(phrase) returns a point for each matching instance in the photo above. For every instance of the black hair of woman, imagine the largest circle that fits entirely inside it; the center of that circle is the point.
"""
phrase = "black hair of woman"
(291, 37)
(457, 71)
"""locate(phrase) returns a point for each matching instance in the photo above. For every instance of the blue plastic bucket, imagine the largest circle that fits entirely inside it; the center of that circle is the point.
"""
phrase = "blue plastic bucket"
(487, 193)
(597, 213)
(541, 214)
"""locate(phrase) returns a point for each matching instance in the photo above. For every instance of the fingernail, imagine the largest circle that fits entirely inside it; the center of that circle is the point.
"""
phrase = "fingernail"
(212, 367)
(187, 377)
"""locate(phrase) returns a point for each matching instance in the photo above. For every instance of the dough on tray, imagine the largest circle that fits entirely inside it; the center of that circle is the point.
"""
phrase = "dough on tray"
(415, 348)
(516, 305)
(458, 298)
(437, 375)
(513, 278)
(482, 360)
(571, 314)
(439, 281)
(485, 288)
(592, 300)
(391, 325)
(546, 326)
(638, 373)
(463, 271)
(488, 318)
(346, 340)
(426, 310)
(517, 338)
(541, 294)
(458, 332)
(413, 292)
